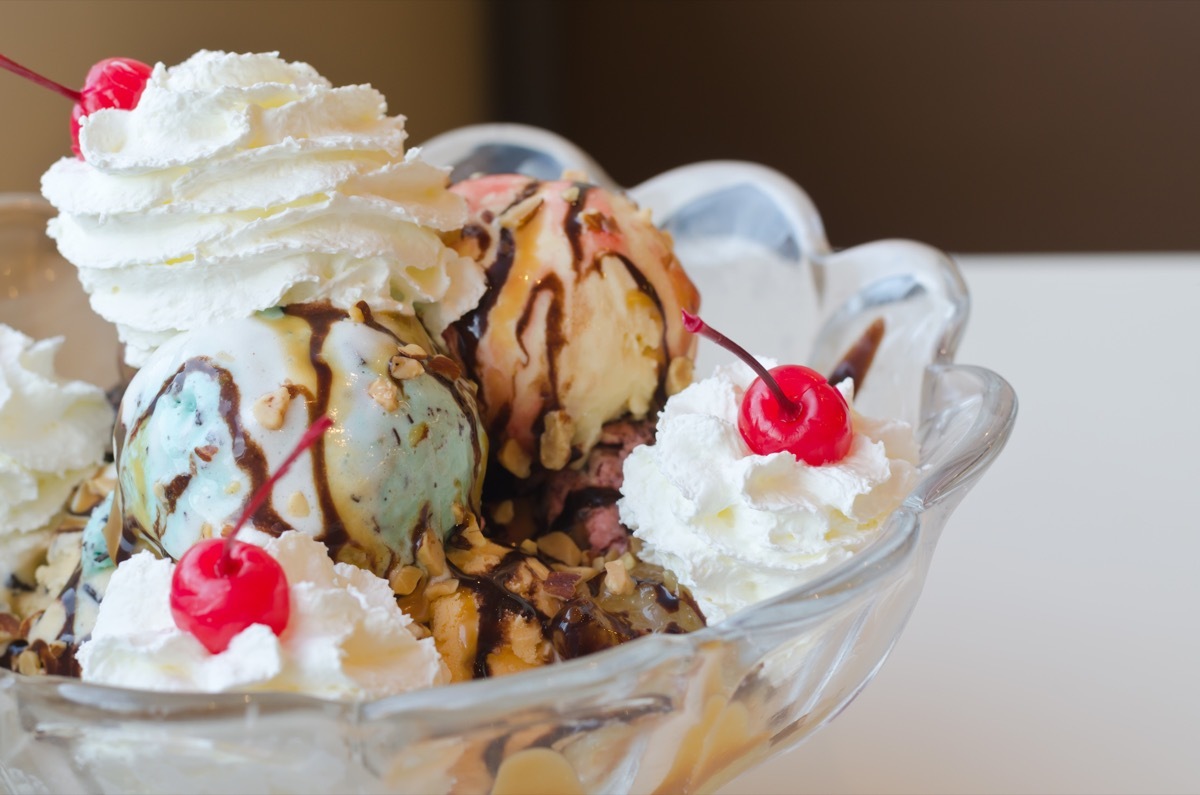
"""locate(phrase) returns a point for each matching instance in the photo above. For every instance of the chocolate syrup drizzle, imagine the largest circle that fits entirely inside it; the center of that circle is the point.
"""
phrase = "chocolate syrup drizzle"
(465, 334)
(248, 455)
(857, 360)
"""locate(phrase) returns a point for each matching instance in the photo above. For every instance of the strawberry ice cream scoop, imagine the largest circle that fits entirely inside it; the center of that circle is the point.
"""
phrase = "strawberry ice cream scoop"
(580, 323)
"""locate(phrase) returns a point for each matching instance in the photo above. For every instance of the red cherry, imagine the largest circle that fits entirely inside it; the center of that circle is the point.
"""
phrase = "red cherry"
(222, 586)
(789, 408)
(819, 433)
(215, 594)
(112, 83)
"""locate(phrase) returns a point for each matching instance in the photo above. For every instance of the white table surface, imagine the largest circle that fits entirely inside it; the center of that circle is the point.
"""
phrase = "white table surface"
(1056, 647)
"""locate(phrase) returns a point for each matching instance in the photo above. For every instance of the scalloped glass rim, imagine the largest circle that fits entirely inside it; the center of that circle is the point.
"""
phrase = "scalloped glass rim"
(963, 453)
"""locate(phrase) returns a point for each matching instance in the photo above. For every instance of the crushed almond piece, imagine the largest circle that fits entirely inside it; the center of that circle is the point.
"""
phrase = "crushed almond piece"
(529, 547)
(617, 579)
(355, 314)
(571, 194)
(431, 554)
(538, 568)
(515, 459)
(585, 572)
(402, 368)
(679, 374)
(385, 392)
(556, 439)
(298, 505)
(28, 663)
(414, 351)
(520, 215)
(439, 589)
(504, 512)
(234, 487)
(271, 408)
(562, 584)
(561, 547)
(405, 580)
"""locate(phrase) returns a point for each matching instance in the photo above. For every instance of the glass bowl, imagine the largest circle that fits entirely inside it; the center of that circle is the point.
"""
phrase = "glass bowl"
(666, 713)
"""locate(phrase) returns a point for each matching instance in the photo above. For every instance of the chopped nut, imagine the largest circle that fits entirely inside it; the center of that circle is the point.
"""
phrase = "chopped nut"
(355, 314)
(436, 590)
(206, 530)
(458, 512)
(403, 368)
(355, 556)
(504, 512)
(560, 546)
(385, 392)
(562, 584)
(50, 624)
(10, 629)
(521, 214)
(298, 505)
(271, 408)
(206, 452)
(617, 579)
(481, 556)
(538, 568)
(513, 458)
(445, 367)
(679, 374)
(431, 554)
(419, 630)
(234, 487)
(585, 572)
(405, 580)
(556, 440)
(571, 194)
(629, 561)
(414, 351)
(29, 663)
(529, 547)
(593, 220)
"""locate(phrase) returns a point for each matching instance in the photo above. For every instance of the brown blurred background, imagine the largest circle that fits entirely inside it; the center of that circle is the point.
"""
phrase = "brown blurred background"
(976, 126)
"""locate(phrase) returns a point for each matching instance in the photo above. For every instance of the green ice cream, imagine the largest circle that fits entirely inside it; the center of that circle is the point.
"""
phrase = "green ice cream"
(215, 410)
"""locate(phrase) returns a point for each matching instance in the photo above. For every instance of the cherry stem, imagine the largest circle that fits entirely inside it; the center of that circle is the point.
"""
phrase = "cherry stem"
(697, 326)
(45, 82)
(260, 495)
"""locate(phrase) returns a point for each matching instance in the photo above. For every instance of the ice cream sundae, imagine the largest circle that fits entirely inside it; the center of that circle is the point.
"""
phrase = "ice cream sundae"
(493, 355)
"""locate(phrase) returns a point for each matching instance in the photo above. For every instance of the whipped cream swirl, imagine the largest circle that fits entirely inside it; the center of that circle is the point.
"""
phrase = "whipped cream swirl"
(346, 637)
(736, 527)
(53, 433)
(243, 182)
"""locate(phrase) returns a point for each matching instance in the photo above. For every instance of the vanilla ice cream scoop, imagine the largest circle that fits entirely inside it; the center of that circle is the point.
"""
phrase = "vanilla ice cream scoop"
(249, 170)
(580, 323)
(216, 410)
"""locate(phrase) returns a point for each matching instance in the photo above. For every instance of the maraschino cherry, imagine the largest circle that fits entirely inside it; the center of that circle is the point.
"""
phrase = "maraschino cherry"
(112, 83)
(789, 408)
(222, 585)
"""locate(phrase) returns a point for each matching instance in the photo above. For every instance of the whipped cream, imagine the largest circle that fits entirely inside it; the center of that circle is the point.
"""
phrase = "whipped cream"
(53, 433)
(243, 182)
(346, 638)
(736, 527)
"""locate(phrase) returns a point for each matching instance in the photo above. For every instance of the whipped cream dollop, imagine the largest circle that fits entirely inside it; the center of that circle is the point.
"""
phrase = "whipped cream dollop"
(346, 637)
(53, 433)
(736, 527)
(243, 182)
